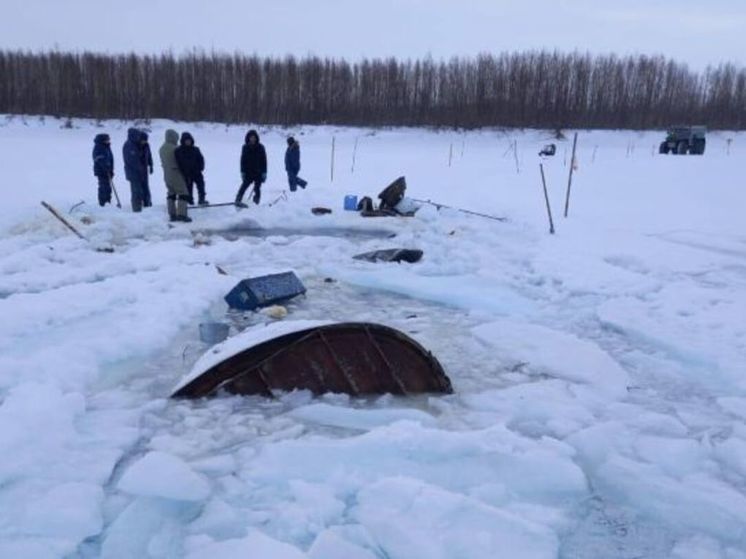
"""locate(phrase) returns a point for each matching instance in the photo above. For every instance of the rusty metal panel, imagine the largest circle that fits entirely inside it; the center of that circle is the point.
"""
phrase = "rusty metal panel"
(352, 358)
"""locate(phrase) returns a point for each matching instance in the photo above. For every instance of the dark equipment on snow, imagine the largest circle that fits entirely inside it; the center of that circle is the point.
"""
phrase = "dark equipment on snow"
(352, 358)
(548, 150)
(252, 293)
(319, 210)
(685, 139)
(392, 194)
(438, 206)
(391, 255)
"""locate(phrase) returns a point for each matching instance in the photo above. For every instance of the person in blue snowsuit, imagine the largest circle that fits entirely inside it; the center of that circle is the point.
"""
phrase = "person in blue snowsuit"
(103, 167)
(292, 165)
(135, 168)
(147, 159)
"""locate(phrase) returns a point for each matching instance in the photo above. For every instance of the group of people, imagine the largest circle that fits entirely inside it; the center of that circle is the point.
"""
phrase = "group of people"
(183, 166)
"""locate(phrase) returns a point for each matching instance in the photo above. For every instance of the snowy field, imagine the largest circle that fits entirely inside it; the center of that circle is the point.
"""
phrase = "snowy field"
(599, 374)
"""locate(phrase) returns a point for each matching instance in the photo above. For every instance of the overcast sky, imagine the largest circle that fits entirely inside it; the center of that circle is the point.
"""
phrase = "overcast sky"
(695, 31)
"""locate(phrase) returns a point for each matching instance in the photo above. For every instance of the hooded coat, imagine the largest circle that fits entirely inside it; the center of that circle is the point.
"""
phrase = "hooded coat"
(171, 173)
(253, 158)
(292, 158)
(189, 158)
(135, 167)
(145, 153)
(103, 159)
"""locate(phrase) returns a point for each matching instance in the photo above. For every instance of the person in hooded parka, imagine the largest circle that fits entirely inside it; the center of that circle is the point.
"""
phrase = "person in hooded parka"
(292, 165)
(135, 168)
(192, 164)
(103, 167)
(253, 167)
(147, 159)
(178, 195)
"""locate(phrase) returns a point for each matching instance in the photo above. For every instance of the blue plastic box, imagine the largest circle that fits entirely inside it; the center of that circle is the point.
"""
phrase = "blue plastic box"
(263, 291)
(351, 203)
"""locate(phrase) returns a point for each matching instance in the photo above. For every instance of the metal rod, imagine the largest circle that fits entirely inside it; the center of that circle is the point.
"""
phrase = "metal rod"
(437, 205)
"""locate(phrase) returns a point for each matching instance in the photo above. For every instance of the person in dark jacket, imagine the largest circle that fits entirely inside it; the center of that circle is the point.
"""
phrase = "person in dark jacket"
(191, 163)
(135, 168)
(253, 167)
(292, 165)
(147, 159)
(103, 167)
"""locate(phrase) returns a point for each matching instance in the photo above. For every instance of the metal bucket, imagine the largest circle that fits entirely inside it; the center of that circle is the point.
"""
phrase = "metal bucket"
(213, 332)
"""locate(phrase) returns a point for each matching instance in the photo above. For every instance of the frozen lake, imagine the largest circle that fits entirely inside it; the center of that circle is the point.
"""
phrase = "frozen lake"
(599, 374)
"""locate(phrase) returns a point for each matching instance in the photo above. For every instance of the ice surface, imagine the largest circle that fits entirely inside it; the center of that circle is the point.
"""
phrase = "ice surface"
(598, 373)
(158, 474)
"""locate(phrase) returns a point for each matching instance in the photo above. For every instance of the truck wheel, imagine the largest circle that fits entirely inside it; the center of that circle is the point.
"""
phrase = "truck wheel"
(681, 148)
(664, 148)
(699, 147)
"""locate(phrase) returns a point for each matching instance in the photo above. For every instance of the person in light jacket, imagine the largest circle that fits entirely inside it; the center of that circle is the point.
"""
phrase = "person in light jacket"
(178, 195)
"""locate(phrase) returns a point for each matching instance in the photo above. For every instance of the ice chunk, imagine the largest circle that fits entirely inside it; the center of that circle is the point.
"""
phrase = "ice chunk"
(255, 545)
(409, 518)
(329, 545)
(557, 354)
(350, 418)
(159, 474)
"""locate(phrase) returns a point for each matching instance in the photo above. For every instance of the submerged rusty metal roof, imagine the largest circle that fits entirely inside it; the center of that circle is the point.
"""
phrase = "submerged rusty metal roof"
(353, 358)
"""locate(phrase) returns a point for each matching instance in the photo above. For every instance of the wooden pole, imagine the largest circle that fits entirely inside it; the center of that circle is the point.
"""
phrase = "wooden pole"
(572, 168)
(546, 199)
(354, 154)
(515, 153)
(450, 155)
(333, 142)
(66, 223)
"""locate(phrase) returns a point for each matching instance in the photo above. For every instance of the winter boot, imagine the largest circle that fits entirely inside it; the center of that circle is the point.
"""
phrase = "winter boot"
(181, 211)
(171, 205)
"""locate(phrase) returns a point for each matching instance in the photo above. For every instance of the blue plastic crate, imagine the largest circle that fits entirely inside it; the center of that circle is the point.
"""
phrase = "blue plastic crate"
(263, 291)
(350, 203)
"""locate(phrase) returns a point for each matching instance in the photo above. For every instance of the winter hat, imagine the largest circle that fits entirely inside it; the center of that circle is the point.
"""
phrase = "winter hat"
(291, 140)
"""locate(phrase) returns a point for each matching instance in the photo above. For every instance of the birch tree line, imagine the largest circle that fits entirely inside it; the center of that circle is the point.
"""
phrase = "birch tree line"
(537, 89)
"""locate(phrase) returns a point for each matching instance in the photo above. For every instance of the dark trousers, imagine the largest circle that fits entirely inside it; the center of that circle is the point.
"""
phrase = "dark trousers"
(147, 200)
(137, 191)
(199, 180)
(248, 181)
(295, 181)
(104, 191)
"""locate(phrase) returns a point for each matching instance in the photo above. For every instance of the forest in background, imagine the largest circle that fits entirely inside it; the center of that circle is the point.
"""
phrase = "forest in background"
(536, 89)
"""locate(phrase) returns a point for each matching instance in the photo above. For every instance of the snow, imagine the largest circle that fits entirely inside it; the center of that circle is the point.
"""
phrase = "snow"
(598, 373)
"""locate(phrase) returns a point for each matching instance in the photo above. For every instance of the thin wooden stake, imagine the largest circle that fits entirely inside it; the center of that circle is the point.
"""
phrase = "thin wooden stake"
(333, 142)
(546, 199)
(515, 152)
(66, 223)
(450, 155)
(354, 154)
(572, 168)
